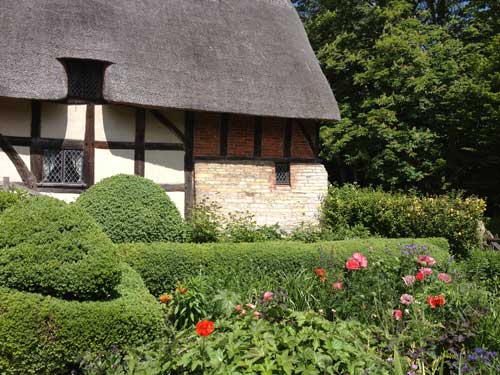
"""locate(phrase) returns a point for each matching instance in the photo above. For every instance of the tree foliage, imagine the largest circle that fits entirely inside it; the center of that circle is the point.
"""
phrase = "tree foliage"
(418, 83)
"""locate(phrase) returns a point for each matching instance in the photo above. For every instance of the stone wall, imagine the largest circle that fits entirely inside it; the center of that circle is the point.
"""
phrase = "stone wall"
(250, 186)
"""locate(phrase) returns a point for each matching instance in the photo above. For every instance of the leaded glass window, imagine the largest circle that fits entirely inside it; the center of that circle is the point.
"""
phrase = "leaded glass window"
(282, 173)
(62, 166)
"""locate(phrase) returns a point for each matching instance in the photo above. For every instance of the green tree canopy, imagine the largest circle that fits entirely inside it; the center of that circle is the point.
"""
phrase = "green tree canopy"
(418, 83)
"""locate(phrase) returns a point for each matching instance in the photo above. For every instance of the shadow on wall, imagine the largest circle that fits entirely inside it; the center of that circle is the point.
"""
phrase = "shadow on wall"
(117, 123)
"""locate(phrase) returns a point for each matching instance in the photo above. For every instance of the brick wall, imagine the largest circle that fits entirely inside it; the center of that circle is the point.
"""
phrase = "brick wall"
(240, 139)
(250, 186)
(273, 131)
(300, 145)
(207, 134)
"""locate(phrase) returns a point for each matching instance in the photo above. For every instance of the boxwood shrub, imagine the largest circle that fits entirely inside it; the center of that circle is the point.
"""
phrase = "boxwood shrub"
(395, 215)
(10, 198)
(46, 335)
(52, 248)
(162, 266)
(133, 209)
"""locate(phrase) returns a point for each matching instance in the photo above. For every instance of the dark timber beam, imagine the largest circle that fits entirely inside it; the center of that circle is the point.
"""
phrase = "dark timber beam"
(36, 151)
(189, 197)
(257, 137)
(28, 178)
(140, 134)
(169, 124)
(88, 146)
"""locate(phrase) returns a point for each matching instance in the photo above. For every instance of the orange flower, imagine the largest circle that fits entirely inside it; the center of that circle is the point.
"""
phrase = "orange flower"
(182, 290)
(166, 298)
(320, 272)
(436, 301)
(204, 328)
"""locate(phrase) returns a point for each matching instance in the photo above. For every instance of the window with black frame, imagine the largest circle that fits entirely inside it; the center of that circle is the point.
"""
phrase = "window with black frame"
(62, 166)
(282, 171)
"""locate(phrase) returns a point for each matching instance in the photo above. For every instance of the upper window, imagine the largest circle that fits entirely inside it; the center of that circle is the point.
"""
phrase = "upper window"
(62, 166)
(85, 79)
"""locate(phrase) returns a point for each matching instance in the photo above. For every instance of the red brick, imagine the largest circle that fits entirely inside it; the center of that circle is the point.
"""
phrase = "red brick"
(300, 145)
(241, 136)
(207, 134)
(273, 134)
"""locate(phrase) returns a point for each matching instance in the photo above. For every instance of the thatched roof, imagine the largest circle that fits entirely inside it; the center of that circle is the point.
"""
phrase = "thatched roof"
(236, 56)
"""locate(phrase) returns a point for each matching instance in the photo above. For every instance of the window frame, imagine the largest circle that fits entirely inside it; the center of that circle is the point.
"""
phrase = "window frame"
(287, 171)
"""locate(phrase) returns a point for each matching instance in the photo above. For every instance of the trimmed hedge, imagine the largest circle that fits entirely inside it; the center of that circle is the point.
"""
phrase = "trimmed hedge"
(133, 209)
(394, 215)
(46, 335)
(163, 265)
(52, 248)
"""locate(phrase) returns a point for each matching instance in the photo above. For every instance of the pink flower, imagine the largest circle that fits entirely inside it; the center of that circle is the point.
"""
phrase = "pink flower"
(257, 314)
(250, 306)
(398, 314)
(444, 277)
(338, 285)
(406, 299)
(238, 308)
(363, 262)
(243, 312)
(426, 260)
(267, 296)
(352, 264)
(425, 271)
(409, 280)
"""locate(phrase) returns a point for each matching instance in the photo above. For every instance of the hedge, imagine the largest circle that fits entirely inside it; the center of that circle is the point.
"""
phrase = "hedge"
(45, 335)
(52, 248)
(133, 209)
(162, 265)
(394, 215)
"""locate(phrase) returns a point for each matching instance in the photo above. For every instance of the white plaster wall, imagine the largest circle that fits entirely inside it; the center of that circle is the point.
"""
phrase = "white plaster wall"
(111, 162)
(63, 121)
(158, 132)
(7, 168)
(66, 197)
(178, 198)
(164, 167)
(114, 123)
(15, 117)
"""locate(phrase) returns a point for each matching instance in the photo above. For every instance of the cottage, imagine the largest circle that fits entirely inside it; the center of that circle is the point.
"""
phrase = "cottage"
(216, 99)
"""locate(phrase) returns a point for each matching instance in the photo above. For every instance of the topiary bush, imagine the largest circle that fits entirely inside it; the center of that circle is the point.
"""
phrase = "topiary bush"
(52, 248)
(395, 215)
(133, 209)
(10, 198)
(163, 265)
(46, 335)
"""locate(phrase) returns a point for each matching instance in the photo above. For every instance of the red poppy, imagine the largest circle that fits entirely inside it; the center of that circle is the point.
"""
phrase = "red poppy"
(204, 328)
(363, 262)
(420, 276)
(352, 264)
(165, 298)
(436, 301)
(182, 290)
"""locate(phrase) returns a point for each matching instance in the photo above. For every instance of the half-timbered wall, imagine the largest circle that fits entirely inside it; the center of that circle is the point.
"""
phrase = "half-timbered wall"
(109, 136)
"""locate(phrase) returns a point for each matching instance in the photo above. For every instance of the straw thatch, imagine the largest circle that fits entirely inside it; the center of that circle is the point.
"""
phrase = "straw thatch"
(237, 56)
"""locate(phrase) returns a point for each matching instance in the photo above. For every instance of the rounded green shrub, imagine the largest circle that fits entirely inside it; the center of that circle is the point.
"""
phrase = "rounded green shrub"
(10, 198)
(46, 335)
(57, 249)
(133, 209)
